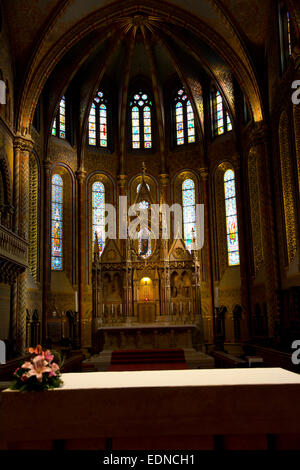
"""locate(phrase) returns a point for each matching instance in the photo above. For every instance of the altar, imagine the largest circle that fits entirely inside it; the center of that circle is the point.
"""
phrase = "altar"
(232, 409)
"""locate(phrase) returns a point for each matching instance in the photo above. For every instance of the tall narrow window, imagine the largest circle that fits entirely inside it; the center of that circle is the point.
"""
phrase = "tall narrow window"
(285, 35)
(141, 125)
(57, 223)
(98, 214)
(184, 119)
(220, 116)
(189, 212)
(231, 219)
(98, 121)
(59, 123)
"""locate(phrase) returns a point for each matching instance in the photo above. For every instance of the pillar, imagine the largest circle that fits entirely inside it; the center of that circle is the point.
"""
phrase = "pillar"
(260, 145)
(83, 335)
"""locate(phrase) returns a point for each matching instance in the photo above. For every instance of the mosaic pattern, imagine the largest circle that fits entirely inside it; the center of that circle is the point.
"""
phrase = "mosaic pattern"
(57, 223)
(98, 214)
(185, 122)
(98, 122)
(141, 124)
(231, 219)
(189, 212)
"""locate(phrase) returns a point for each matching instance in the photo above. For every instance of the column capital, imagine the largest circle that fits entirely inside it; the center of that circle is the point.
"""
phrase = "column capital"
(80, 174)
(47, 164)
(164, 179)
(22, 143)
(260, 134)
(204, 172)
(122, 180)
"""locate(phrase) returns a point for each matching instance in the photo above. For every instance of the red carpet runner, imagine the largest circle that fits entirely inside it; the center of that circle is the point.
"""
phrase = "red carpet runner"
(148, 359)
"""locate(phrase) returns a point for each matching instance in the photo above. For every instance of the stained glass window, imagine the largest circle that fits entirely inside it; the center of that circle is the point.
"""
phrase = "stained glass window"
(184, 117)
(98, 121)
(59, 122)
(141, 121)
(57, 223)
(231, 219)
(98, 214)
(189, 211)
(221, 118)
(145, 243)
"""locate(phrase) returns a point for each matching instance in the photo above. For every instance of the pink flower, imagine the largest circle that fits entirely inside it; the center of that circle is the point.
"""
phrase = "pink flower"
(38, 367)
(48, 356)
(26, 365)
(24, 377)
(54, 369)
(15, 372)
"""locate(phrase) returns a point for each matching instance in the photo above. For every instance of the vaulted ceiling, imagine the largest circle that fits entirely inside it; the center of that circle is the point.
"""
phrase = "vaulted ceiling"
(48, 35)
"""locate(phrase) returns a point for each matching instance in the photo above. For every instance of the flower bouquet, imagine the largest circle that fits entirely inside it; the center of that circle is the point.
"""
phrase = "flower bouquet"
(38, 373)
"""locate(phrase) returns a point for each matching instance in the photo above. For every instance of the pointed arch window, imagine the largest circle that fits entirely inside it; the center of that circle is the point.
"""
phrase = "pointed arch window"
(184, 119)
(141, 121)
(98, 214)
(285, 35)
(57, 223)
(59, 123)
(220, 116)
(231, 219)
(189, 211)
(98, 121)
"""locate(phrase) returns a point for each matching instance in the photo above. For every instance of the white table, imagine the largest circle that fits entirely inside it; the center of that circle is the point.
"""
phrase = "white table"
(158, 409)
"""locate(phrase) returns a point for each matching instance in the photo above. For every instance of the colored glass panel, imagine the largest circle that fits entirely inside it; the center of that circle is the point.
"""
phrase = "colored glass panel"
(231, 219)
(98, 214)
(62, 118)
(189, 211)
(103, 125)
(57, 223)
(147, 127)
(144, 243)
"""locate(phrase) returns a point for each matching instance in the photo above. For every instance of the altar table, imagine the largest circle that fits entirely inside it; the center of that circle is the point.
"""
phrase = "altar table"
(188, 409)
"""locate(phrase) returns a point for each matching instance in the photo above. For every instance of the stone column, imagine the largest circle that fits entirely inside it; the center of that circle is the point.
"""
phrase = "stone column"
(81, 177)
(244, 256)
(46, 245)
(164, 251)
(260, 145)
(22, 149)
(209, 320)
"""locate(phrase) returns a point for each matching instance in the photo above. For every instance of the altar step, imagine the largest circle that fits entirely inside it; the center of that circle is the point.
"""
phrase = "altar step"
(192, 358)
(148, 359)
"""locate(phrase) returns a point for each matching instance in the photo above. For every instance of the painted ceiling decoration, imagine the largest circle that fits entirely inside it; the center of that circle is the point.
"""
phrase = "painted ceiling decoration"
(224, 37)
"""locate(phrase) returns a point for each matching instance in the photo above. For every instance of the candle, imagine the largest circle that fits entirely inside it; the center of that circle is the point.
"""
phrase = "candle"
(76, 301)
(112, 308)
(189, 306)
(120, 308)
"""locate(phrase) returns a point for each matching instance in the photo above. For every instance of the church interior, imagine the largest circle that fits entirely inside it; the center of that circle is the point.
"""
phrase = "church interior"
(154, 104)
